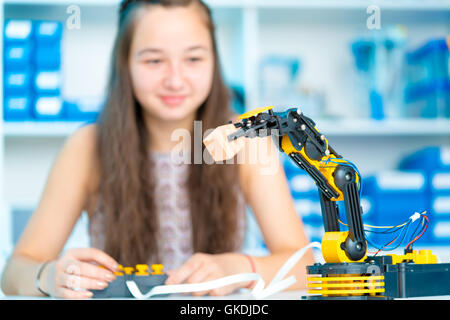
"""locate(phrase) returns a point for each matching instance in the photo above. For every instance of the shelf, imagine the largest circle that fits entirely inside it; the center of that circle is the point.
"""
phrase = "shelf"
(40, 129)
(211, 3)
(359, 127)
(403, 5)
(401, 127)
(63, 2)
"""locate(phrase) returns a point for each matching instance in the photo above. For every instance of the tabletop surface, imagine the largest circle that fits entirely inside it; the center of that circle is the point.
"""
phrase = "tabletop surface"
(242, 295)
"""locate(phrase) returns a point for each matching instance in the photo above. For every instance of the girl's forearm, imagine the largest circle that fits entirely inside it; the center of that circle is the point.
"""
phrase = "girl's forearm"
(268, 266)
(19, 277)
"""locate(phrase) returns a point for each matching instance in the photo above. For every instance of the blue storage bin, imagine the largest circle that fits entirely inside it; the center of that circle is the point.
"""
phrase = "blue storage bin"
(428, 159)
(428, 100)
(48, 57)
(367, 207)
(306, 199)
(309, 211)
(434, 161)
(17, 108)
(440, 206)
(440, 189)
(300, 183)
(303, 186)
(17, 82)
(18, 31)
(48, 32)
(429, 62)
(17, 57)
(290, 168)
(440, 232)
(394, 197)
(48, 108)
(314, 233)
(47, 82)
(83, 109)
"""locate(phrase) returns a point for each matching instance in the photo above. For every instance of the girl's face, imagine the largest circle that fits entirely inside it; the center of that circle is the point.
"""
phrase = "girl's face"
(171, 61)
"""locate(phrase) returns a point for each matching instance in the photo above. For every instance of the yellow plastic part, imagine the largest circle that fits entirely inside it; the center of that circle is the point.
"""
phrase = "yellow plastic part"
(342, 278)
(141, 270)
(423, 257)
(128, 270)
(288, 148)
(157, 269)
(254, 112)
(331, 247)
(345, 285)
(345, 291)
(119, 273)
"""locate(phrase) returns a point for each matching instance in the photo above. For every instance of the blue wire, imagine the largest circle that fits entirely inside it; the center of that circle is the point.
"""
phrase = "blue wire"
(348, 164)
(419, 232)
(404, 229)
(385, 248)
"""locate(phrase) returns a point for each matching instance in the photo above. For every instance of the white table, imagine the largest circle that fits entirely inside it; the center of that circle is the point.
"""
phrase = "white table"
(286, 295)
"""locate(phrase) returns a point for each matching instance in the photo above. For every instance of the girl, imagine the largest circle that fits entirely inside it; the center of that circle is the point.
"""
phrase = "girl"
(143, 207)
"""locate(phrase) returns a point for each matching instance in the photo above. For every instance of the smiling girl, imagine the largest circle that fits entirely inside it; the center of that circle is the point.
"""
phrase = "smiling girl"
(142, 207)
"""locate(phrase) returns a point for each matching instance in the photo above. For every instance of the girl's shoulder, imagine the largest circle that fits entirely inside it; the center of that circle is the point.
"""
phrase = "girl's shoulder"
(83, 145)
(84, 135)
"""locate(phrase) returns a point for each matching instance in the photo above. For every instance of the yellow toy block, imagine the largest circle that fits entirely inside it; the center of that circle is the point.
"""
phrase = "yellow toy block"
(141, 270)
(119, 273)
(128, 270)
(157, 269)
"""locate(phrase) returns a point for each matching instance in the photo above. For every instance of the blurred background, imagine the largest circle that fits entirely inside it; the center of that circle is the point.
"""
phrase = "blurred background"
(373, 75)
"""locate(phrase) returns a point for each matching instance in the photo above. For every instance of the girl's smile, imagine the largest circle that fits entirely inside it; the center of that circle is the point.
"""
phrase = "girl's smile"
(173, 100)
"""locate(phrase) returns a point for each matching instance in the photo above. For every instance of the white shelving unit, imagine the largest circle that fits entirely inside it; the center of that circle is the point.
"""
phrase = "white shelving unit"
(31, 129)
(5, 236)
(334, 128)
(317, 31)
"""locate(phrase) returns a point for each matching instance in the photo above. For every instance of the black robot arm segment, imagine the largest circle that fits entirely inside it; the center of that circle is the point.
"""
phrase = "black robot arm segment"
(296, 135)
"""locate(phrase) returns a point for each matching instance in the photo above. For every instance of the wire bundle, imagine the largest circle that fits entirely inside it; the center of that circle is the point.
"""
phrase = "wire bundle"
(401, 232)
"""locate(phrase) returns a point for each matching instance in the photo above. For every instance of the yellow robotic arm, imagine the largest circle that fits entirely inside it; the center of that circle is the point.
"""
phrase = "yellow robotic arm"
(336, 178)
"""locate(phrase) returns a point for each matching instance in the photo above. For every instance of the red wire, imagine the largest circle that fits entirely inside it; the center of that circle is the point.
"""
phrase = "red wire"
(418, 236)
(387, 244)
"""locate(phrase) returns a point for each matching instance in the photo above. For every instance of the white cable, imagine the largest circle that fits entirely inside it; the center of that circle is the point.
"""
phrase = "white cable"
(195, 287)
(278, 284)
(259, 292)
(292, 261)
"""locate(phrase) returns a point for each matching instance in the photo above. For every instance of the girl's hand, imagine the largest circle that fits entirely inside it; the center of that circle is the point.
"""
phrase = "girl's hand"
(202, 267)
(75, 270)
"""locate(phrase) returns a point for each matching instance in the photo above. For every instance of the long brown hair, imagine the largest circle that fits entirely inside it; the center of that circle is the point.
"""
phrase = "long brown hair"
(126, 188)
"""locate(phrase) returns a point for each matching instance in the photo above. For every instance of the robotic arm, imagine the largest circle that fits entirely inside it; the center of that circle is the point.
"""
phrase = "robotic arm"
(377, 277)
(336, 178)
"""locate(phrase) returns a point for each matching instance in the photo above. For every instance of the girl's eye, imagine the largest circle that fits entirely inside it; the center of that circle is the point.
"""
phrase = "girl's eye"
(153, 61)
(194, 59)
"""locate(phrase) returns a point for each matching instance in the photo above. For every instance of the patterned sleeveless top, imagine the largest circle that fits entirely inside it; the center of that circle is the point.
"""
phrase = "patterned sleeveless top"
(175, 239)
